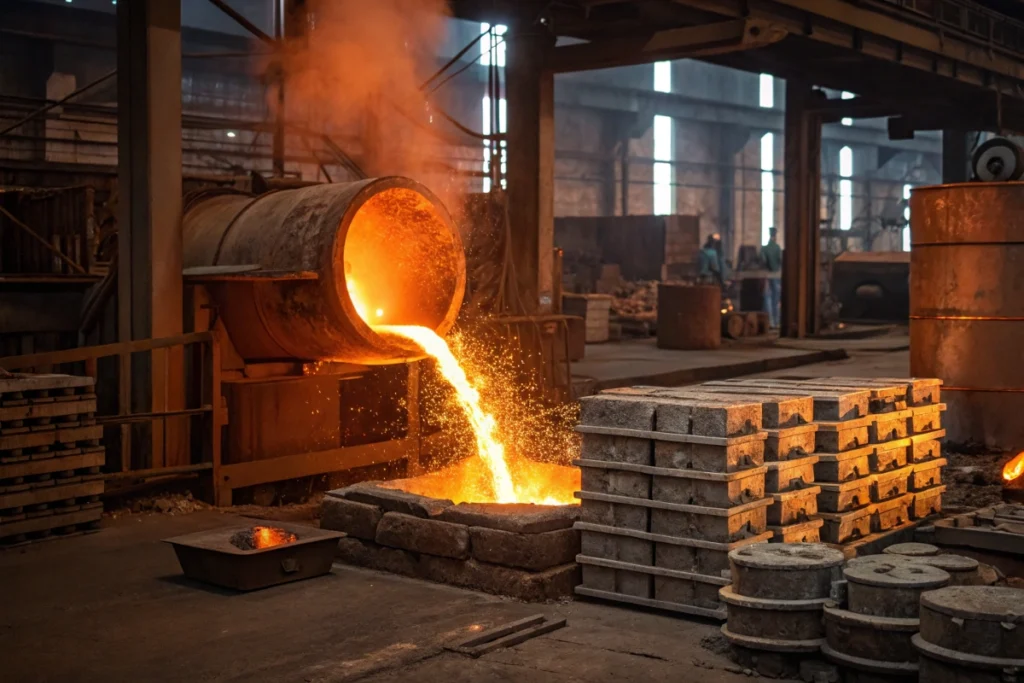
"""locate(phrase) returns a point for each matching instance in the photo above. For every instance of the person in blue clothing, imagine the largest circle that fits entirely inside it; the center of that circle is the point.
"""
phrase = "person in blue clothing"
(771, 254)
(710, 261)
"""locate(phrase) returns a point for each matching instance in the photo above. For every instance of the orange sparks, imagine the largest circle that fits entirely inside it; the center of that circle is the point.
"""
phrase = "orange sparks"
(1014, 468)
(531, 485)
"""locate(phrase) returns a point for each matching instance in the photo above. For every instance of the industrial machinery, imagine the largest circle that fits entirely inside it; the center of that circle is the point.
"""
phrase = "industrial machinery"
(310, 386)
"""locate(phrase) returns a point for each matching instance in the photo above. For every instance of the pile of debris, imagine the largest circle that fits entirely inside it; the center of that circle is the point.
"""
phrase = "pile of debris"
(636, 300)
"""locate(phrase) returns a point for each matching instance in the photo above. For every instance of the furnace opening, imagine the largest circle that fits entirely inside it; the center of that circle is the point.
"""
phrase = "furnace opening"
(402, 261)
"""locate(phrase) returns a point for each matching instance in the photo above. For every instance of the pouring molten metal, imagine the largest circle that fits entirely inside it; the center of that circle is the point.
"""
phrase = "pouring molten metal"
(527, 482)
(1014, 469)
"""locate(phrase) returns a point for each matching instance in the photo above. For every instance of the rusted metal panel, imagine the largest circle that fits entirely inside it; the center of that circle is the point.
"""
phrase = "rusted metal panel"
(689, 317)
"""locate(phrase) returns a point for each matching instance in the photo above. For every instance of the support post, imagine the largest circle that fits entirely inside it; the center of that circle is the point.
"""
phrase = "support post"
(802, 196)
(955, 156)
(530, 91)
(149, 224)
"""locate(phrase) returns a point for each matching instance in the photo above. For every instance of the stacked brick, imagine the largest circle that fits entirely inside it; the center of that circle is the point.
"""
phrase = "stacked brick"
(50, 456)
(524, 551)
(879, 463)
(671, 483)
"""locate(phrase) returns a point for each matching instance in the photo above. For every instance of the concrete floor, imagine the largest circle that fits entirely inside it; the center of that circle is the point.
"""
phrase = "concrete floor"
(112, 606)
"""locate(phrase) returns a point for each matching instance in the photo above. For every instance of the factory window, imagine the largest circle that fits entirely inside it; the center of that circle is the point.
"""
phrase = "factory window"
(906, 217)
(663, 190)
(845, 188)
(766, 94)
(486, 129)
(767, 185)
(847, 96)
(663, 76)
(497, 49)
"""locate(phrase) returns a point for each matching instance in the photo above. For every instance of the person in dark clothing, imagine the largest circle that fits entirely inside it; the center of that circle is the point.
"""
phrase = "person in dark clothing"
(771, 254)
(710, 261)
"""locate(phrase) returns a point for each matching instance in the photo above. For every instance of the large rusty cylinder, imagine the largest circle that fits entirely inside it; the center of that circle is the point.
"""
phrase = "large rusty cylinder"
(967, 306)
(385, 243)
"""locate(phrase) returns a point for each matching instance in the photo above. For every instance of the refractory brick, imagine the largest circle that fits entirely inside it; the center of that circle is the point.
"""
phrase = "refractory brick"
(419, 535)
(744, 454)
(627, 412)
(358, 520)
(535, 552)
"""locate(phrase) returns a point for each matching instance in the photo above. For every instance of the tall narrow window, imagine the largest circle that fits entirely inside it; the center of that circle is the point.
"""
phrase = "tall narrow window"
(845, 188)
(906, 216)
(766, 91)
(492, 45)
(847, 121)
(663, 165)
(486, 130)
(767, 185)
(664, 194)
(663, 76)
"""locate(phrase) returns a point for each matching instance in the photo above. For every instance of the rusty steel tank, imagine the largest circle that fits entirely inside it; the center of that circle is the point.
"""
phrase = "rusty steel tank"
(967, 306)
(312, 265)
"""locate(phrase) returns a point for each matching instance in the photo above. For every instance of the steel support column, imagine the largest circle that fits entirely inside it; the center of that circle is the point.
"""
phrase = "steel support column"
(955, 156)
(802, 211)
(530, 89)
(149, 221)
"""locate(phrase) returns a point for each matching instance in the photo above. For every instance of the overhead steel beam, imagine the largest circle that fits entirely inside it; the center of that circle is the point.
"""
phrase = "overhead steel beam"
(675, 43)
(876, 34)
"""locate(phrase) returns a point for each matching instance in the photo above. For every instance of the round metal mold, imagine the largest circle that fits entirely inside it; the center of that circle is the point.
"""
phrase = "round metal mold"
(912, 549)
(785, 571)
(870, 637)
(771, 644)
(336, 253)
(783, 620)
(962, 570)
(982, 620)
(944, 665)
(906, 670)
(891, 589)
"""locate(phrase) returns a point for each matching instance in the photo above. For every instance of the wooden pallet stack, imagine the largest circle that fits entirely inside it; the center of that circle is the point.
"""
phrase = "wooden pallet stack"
(671, 483)
(50, 456)
(878, 451)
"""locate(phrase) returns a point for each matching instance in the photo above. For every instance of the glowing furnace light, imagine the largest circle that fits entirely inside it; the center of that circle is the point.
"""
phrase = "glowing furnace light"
(1015, 468)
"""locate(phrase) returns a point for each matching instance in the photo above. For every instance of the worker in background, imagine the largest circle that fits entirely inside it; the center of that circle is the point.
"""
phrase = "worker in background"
(771, 255)
(710, 262)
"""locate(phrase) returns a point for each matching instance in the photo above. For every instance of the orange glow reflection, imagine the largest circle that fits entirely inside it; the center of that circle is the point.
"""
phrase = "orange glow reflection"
(268, 537)
(1014, 468)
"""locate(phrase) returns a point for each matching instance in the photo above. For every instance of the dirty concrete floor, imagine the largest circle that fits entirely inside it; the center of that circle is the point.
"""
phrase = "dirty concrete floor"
(112, 606)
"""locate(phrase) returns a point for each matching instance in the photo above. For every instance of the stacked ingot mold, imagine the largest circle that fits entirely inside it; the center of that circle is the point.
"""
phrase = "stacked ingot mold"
(971, 633)
(777, 594)
(670, 485)
(870, 637)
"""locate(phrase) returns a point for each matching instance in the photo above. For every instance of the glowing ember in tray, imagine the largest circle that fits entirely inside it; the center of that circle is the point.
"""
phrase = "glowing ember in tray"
(260, 537)
(1014, 469)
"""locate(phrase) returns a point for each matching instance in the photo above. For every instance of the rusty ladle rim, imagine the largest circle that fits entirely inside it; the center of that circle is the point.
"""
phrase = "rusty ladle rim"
(337, 256)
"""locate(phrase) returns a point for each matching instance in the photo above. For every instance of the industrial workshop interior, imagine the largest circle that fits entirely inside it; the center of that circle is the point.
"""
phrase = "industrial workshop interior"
(561, 341)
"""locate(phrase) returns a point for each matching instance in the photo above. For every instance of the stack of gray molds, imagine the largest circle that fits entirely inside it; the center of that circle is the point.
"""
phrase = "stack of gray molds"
(870, 636)
(670, 485)
(912, 463)
(777, 595)
(787, 417)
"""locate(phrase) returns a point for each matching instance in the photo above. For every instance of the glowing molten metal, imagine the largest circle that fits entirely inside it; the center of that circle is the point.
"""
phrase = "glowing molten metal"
(534, 487)
(1015, 468)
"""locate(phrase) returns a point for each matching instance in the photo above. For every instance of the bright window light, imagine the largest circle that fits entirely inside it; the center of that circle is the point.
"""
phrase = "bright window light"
(767, 185)
(499, 47)
(845, 188)
(663, 76)
(663, 190)
(906, 215)
(766, 94)
(847, 121)
(846, 162)
(231, 133)
(485, 128)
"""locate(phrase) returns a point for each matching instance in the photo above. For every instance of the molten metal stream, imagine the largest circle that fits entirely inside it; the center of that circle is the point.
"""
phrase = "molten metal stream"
(1014, 468)
(490, 449)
